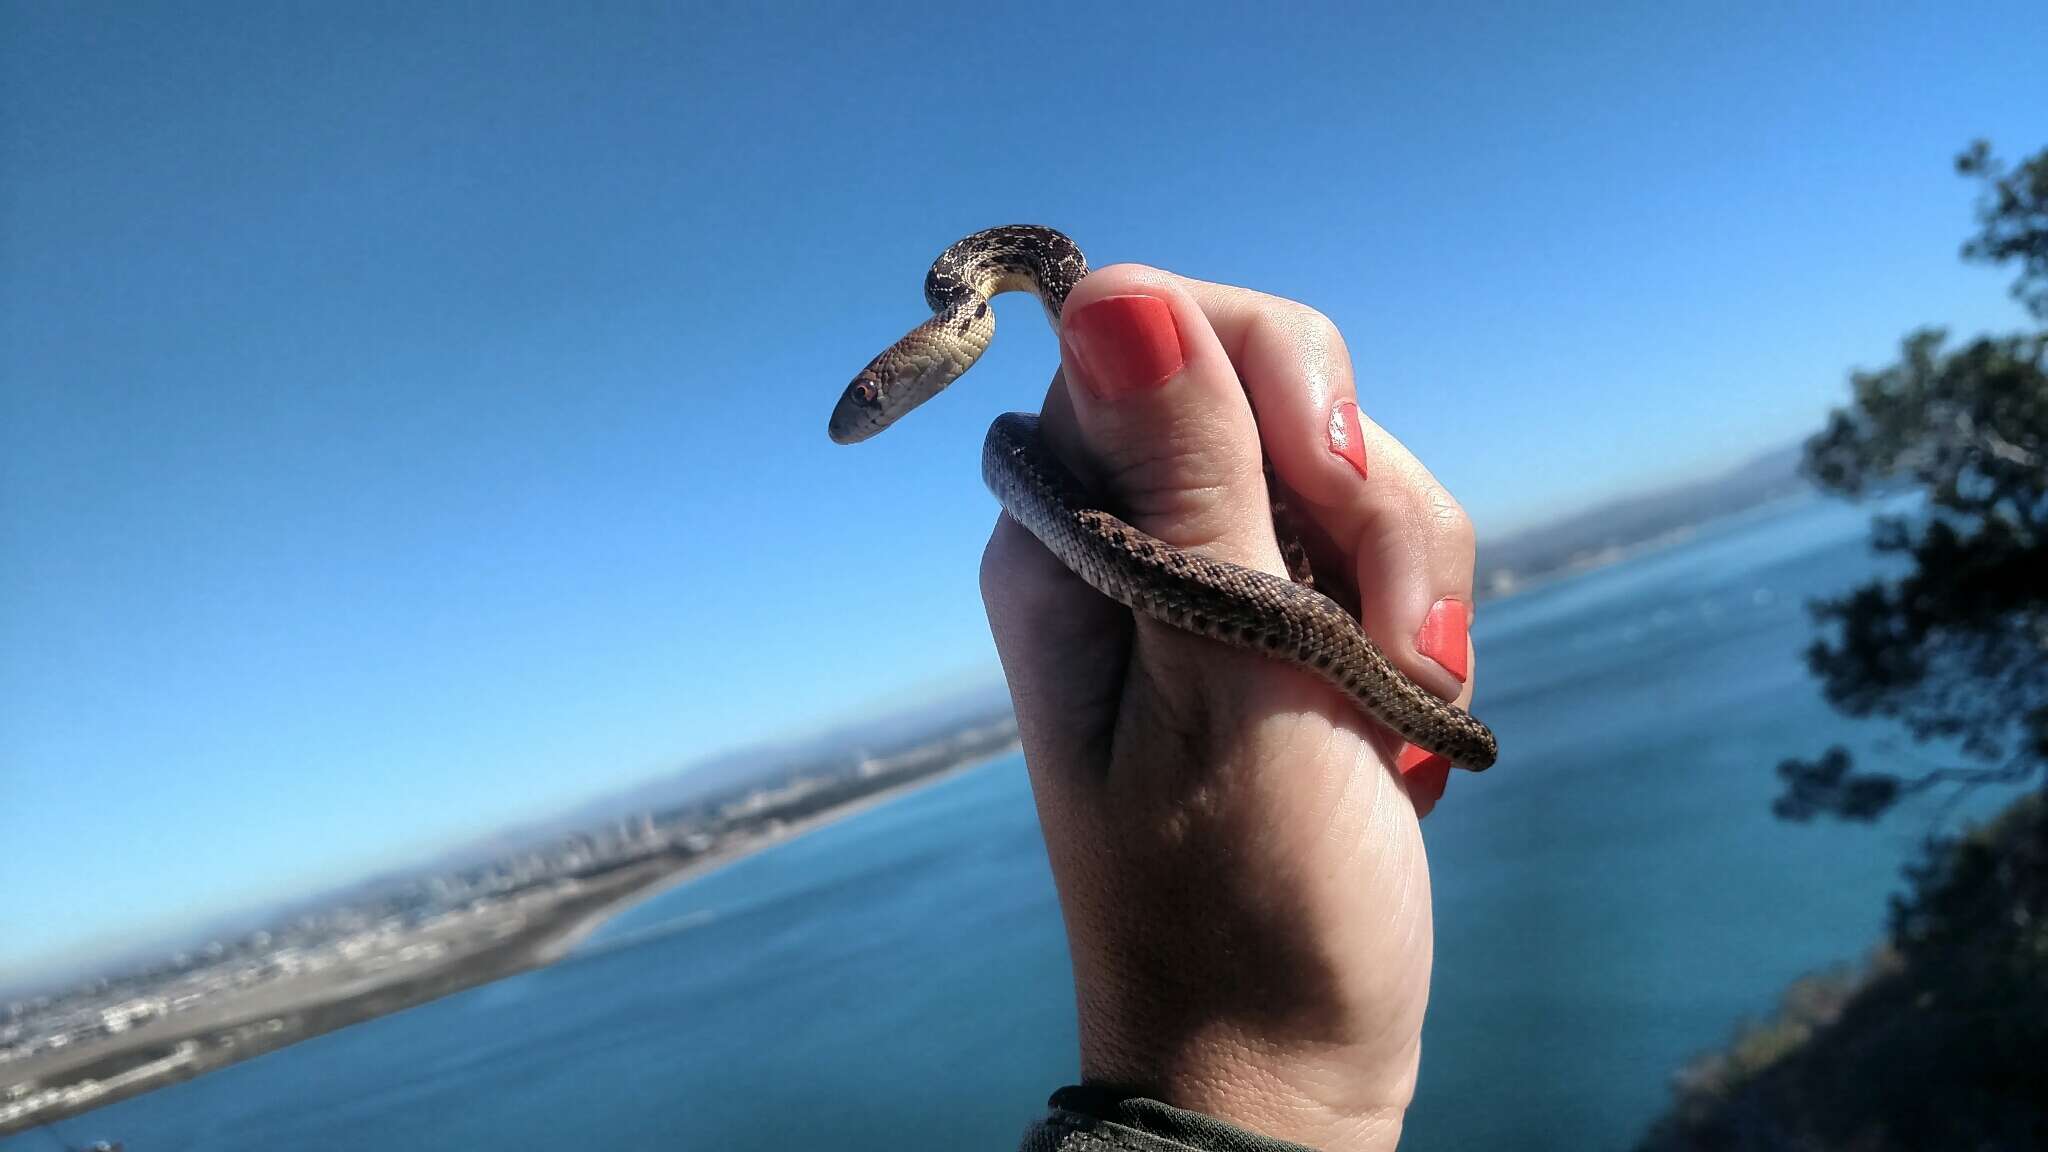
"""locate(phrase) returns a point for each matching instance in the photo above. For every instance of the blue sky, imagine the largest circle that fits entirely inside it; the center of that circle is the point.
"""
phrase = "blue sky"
(414, 421)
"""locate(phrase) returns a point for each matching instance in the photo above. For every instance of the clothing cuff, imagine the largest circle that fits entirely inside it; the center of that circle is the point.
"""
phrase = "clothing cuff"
(1086, 1118)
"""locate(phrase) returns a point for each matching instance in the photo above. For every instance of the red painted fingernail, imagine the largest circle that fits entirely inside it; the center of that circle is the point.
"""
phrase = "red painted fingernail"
(1442, 637)
(1425, 774)
(1124, 343)
(1347, 437)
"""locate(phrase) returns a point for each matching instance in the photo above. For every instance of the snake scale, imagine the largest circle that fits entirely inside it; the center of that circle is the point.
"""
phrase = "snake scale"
(1240, 606)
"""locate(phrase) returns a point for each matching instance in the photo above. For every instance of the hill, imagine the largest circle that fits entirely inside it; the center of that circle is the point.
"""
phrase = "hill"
(1609, 531)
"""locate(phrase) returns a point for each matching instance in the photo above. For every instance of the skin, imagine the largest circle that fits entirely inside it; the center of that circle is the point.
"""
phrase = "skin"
(1239, 864)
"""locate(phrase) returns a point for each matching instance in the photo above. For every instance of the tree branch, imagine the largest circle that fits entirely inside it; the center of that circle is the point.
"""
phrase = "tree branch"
(1828, 786)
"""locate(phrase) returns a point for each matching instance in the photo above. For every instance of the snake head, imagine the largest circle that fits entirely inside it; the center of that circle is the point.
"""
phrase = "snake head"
(859, 413)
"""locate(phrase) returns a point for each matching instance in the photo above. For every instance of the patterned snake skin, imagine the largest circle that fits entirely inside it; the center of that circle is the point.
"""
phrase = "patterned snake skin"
(1239, 606)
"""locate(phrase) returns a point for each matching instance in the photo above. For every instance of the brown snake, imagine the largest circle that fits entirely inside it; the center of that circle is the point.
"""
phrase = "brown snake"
(1240, 606)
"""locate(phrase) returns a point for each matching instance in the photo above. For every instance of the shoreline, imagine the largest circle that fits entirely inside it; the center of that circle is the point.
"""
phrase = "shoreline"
(520, 939)
(563, 944)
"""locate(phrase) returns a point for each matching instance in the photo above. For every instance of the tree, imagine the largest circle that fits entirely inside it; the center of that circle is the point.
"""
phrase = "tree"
(1942, 1041)
(1956, 648)
(2012, 221)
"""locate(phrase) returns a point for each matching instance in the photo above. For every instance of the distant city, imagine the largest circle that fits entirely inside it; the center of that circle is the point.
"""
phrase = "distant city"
(403, 940)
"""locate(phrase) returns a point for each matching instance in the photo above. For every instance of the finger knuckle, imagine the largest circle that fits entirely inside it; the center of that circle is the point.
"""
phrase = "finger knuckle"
(991, 573)
(1312, 326)
(1000, 566)
(1174, 481)
(1447, 519)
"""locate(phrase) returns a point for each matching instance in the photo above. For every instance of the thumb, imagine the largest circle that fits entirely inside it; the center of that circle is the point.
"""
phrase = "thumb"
(1156, 419)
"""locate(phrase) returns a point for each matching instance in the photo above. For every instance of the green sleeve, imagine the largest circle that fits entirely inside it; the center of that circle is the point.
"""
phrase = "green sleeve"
(1092, 1119)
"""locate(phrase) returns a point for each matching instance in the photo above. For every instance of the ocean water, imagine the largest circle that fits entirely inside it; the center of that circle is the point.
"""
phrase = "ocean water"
(1611, 899)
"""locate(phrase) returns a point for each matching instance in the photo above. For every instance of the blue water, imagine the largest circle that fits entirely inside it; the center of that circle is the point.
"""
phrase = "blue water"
(1610, 899)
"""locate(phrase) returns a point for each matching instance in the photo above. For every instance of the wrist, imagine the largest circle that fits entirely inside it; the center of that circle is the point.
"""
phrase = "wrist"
(1333, 1098)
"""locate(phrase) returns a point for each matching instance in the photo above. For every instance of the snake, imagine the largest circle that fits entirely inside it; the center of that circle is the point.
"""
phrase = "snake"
(1282, 618)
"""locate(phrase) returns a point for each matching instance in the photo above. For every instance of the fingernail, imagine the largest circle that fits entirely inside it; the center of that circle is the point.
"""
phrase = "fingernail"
(1425, 774)
(1442, 637)
(1347, 437)
(1125, 344)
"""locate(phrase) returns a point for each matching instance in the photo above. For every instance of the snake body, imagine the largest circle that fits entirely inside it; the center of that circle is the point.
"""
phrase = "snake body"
(1239, 606)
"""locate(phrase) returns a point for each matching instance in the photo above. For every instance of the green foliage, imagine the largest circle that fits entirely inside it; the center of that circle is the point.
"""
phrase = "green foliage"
(2013, 220)
(1956, 650)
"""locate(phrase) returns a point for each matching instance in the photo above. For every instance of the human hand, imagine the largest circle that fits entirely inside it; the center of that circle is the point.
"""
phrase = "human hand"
(1237, 855)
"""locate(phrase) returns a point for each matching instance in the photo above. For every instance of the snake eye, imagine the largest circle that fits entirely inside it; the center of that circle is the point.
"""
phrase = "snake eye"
(863, 391)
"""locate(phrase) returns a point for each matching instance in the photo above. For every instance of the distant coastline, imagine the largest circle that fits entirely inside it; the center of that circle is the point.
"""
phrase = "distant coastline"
(571, 934)
(522, 935)
(1504, 584)
(1623, 529)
